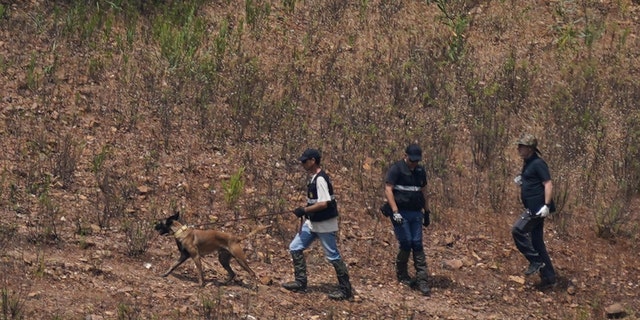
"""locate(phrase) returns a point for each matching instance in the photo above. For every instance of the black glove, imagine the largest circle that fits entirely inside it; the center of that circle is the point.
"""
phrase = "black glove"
(299, 212)
(426, 219)
(386, 210)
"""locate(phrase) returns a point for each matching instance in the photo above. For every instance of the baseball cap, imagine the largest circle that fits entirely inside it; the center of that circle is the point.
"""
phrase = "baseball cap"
(308, 154)
(414, 152)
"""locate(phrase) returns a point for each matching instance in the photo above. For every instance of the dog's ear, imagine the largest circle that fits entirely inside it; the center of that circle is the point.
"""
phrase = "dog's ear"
(175, 216)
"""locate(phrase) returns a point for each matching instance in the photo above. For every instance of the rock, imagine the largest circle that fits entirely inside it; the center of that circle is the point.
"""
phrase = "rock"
(615, 311)
(449, 241)
(517, 279)
(453, 264)
(266, 280)
(143, 189)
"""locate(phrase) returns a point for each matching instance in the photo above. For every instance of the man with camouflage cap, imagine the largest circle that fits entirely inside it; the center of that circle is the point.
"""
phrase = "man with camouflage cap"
(536, 194)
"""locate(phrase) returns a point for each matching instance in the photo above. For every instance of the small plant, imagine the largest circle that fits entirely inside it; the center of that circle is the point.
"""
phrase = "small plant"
(233, 188)
(99, 159)
(65, 161)
(454, 16)
(256, 12)
(561, 195)
(289, 5)
(3, 11)
(127, 312)
(139, 233)
(40, 263)
(180, 32)
(96, 68)
(32, 74)
(215, 308)
(610, 217)
(7, 232)
(12, 305)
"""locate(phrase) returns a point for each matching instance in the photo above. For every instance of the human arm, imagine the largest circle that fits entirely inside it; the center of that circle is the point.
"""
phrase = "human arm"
(548, 191)
(426, 219)
(388, 193)
(548, 194)
(425, 195)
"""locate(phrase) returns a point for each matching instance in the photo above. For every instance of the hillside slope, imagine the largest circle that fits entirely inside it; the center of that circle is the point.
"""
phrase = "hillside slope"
(113, 115)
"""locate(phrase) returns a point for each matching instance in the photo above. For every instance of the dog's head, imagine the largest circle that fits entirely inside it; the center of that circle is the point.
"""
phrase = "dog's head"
(164, 227)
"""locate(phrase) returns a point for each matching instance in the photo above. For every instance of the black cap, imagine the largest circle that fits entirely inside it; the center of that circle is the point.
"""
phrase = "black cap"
(414, 152)
(308, 154)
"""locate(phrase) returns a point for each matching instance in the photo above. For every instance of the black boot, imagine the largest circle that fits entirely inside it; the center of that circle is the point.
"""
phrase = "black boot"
(401, 268)
(345, 292)
(420, 263)
(300, 272)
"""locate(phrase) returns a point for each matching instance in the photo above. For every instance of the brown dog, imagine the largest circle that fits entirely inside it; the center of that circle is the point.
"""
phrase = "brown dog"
(195, 243)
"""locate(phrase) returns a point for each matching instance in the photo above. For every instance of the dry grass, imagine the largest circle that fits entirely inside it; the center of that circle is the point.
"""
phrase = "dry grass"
(193, 101)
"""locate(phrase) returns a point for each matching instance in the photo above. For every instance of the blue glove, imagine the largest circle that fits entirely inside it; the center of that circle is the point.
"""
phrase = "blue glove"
(299, 212)
(397, 218)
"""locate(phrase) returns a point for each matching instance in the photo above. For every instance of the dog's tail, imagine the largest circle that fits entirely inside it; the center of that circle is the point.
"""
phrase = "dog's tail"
(252, 233)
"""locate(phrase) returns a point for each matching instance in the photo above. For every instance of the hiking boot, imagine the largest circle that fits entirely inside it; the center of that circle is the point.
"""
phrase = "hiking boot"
(408, 281)
(402, 273)
(294, 286)
(420, 264)
(547, 284)
(300, 272)
(423, 287)
(345, 291)
(534, 267)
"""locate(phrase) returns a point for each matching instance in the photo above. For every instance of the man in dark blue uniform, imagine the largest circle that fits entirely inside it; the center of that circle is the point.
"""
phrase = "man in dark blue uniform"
(536, 194)
(405, 190)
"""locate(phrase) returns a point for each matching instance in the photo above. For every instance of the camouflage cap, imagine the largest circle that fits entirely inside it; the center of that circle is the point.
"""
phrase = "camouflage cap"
(527, 139)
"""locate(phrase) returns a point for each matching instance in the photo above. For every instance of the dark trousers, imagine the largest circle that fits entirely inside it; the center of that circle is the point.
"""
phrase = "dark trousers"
(528, 234)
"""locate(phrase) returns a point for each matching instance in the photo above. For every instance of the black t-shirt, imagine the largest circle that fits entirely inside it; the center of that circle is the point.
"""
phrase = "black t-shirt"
(534, 172)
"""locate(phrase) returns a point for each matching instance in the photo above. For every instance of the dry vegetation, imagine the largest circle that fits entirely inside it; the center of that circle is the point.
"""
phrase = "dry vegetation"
(115, 113)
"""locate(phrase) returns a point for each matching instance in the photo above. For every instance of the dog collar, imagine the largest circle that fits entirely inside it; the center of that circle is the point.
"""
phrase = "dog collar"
(183, 228)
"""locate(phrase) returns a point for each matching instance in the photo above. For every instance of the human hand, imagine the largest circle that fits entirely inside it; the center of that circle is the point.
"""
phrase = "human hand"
(299, 212)
(518, 180)
(543, 212)
(397, 218)
(426, 219)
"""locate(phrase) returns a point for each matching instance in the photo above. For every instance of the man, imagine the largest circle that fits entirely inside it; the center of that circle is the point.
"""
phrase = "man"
(321, 222)
(536, 194)
(405, 190)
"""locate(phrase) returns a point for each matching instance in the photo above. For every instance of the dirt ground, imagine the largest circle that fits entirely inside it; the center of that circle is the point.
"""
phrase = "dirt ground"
(475, 274)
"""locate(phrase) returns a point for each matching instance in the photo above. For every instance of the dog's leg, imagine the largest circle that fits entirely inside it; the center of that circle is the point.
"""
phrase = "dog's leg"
(225, 257)
(184, 255)
(198, 262)
(236, 251)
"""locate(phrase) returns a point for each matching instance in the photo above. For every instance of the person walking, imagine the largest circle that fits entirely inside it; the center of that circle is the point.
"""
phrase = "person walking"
(406, 194)
(536, 194)
(320, 222)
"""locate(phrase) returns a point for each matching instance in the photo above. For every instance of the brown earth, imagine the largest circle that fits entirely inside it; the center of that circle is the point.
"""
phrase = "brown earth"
(87, 271)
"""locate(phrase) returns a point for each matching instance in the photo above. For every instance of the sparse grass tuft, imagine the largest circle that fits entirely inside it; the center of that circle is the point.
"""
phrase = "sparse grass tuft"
(233, 188)
(12, 304)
